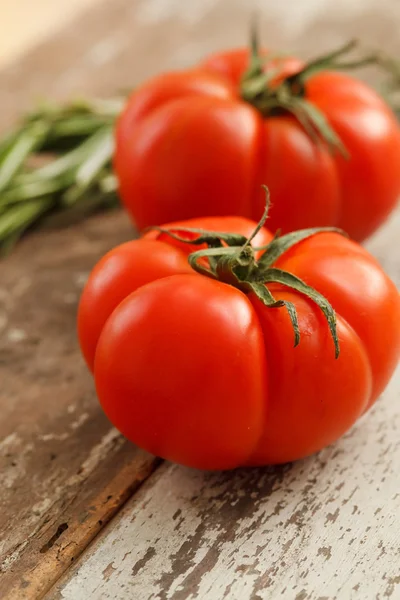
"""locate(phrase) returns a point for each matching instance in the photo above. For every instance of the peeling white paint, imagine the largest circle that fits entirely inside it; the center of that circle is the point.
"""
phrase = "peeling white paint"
(49, 437)
(11, 558)
(11, 440)
(18, 469)
(320, 526)
(16, 335)
(41, 507)
(80, 421)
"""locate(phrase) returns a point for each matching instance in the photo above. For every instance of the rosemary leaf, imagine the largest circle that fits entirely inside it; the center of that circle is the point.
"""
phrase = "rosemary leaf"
(55, 167)
(28, 140)
(6, 143)
(92, 166)
(18, 218)
(26, 192)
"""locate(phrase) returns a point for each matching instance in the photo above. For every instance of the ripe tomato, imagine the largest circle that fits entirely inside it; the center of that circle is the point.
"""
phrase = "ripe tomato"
(201, 141)
(118, 274)
(198, 370)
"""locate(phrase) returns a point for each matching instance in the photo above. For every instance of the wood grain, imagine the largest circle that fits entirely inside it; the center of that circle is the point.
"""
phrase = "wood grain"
(326, 527)
(65, 471)
(187, 534)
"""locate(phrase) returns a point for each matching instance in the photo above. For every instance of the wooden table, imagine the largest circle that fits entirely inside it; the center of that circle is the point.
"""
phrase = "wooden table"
(84, 514)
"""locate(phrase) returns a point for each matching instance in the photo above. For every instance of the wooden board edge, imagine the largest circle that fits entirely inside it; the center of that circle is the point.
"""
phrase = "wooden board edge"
(71, 538)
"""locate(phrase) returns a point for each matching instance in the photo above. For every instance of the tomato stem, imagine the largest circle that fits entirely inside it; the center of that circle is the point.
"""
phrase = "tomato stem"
(230, 258)
(289, 96)
(329, 62)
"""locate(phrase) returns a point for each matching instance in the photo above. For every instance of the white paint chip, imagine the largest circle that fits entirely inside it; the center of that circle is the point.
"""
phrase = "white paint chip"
(16, 335)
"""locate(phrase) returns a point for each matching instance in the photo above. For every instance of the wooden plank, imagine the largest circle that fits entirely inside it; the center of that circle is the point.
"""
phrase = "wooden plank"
(326, 527)
(65, 471)
(323, 528)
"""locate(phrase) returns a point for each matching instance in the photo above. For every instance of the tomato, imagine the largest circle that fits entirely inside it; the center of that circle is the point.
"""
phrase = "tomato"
(117, 274)
(199, 369)
(188, 144)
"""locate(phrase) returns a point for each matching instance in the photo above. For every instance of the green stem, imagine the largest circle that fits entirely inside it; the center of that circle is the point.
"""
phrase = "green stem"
(329, 62)
(230, 258)
(290, 96)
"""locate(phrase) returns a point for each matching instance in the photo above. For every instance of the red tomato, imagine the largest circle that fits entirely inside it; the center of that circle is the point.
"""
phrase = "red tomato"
(200, 372)
(117, 274)
(188, 145)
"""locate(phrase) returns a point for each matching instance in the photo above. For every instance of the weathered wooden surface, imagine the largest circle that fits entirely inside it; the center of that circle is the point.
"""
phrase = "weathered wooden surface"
(65, 471)
(324, 528)
(60, 460)
(117, 44)
(327, 527)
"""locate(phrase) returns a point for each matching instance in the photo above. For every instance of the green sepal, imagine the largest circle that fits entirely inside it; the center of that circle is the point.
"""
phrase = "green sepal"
(230, 259)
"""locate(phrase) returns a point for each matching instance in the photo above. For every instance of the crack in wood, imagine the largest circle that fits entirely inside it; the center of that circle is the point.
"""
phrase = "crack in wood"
(60, 530)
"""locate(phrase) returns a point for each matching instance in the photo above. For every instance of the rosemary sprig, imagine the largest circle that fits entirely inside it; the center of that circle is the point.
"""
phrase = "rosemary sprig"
(56, 167)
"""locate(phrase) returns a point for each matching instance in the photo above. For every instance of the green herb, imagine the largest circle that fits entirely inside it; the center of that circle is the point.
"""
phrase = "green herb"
(56, 167)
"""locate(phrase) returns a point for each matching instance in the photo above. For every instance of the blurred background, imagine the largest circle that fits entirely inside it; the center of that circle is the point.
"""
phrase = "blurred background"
(61, 47)
(27, 22)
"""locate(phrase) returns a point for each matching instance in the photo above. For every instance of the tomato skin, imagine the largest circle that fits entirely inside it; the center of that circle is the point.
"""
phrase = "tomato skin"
(369, 181)
(120, 272)
(353, 281)
(313, 398)
(233, 63)
(203, 374)
(195, 414)
(188, 187)
(289, 161)
(133, 264)
(188, 146)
